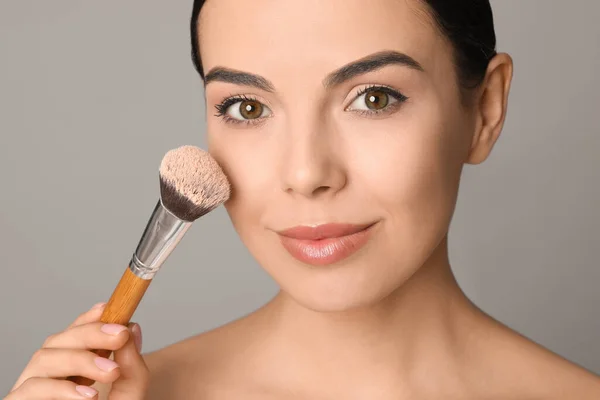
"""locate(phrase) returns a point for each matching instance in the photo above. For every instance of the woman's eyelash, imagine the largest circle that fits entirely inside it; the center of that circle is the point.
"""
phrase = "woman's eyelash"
(228, 102)
(384, 89)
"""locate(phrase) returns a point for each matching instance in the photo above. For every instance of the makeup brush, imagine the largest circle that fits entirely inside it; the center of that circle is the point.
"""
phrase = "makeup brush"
(191, 185)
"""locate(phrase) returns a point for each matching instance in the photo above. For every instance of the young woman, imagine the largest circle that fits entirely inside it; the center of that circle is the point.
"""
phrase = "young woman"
(344, 126)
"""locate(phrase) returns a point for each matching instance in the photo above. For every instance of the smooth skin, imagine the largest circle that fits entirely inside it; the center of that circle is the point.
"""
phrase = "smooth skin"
(389, 322)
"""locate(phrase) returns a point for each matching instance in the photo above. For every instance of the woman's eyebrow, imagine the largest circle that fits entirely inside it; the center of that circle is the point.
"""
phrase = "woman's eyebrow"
(368, 64)
(228, 75)
(362, 66)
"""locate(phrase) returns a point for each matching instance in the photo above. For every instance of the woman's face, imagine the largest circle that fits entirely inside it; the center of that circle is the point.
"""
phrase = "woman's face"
(350, 114)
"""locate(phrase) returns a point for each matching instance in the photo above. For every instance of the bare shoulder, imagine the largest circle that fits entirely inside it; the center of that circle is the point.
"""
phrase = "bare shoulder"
(563, 379)
(201, 366)
(515, 361)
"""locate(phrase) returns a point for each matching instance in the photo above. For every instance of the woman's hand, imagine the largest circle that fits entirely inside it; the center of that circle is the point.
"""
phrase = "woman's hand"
(68, 353)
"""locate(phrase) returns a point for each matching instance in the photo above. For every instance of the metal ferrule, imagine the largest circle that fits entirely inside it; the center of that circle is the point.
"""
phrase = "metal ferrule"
(161, 236)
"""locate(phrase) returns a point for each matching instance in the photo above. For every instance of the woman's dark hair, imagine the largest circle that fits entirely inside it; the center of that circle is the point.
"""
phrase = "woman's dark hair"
(468, 24)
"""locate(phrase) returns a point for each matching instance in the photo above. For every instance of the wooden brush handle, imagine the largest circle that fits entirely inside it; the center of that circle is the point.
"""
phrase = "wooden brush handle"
(119, 310)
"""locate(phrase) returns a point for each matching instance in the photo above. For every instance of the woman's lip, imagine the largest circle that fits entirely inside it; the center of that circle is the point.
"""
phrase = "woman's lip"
(325, 231)
(334, 242)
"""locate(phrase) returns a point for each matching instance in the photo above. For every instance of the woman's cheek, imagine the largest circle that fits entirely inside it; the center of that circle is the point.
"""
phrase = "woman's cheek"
(250, 173)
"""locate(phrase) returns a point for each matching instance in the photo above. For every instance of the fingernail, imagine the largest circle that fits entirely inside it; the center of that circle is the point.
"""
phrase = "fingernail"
(137, 336)
(86, 391)
(99, 305)
(105, 364)
(112, 329)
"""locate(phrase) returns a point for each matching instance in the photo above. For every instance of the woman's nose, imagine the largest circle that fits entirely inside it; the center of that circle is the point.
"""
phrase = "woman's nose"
(311, 166)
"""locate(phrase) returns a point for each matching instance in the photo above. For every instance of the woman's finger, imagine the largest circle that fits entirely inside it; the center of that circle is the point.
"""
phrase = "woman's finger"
(94, 335)
(61, 363)
(91, 315)
(50, 389)
(133, 382)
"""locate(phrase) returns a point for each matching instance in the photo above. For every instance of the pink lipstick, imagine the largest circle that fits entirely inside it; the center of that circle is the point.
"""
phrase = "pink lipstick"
(325, 244)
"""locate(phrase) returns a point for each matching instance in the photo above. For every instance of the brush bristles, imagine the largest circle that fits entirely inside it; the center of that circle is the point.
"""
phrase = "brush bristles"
(192, 183)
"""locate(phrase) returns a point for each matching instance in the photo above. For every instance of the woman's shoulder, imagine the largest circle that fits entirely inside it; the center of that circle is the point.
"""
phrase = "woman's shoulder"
(510, 359)
(201, 366)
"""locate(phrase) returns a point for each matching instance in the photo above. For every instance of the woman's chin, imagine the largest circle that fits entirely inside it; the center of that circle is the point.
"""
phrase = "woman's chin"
(338, 294)
(341, 303)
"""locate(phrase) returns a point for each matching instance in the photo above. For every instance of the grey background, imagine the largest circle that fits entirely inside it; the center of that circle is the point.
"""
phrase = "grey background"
(92, 95)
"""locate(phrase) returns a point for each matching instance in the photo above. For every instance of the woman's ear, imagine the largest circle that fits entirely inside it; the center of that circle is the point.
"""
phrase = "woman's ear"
(491, 105)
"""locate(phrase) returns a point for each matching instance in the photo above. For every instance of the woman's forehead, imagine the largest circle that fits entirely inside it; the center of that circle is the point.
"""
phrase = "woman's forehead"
(313, 35)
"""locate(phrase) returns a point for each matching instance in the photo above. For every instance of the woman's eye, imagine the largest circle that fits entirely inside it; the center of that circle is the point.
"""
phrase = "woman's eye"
(374, 100)
(247, 110)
